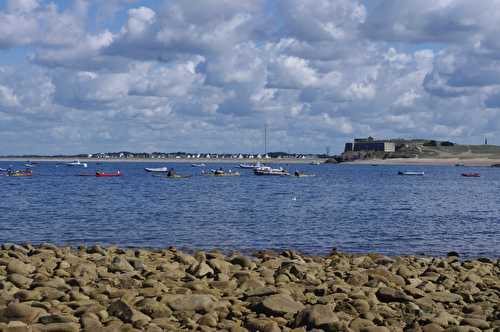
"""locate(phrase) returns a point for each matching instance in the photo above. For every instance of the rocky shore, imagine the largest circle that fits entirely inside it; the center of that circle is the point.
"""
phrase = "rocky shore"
(63, 289)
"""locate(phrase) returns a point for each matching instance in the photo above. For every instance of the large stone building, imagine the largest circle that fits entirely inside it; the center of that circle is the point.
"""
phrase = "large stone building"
(370, 144)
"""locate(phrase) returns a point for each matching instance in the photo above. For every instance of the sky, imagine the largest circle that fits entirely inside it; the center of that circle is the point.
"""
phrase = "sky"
(88, 76)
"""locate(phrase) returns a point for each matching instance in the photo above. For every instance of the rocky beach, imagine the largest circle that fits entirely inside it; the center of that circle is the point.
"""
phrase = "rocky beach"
(65, 289)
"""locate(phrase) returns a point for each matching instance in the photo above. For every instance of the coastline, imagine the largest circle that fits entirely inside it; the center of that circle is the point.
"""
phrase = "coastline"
(427, 161)
(57, 288)
(168, 160)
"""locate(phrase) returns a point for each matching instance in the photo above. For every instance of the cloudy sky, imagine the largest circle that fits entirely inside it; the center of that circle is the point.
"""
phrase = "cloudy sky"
(85, 76)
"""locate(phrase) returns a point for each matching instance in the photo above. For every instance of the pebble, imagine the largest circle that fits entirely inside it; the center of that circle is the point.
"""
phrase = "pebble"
(55, 289)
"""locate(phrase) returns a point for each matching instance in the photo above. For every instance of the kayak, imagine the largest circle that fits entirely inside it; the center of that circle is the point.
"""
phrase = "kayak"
(300, 175)
(411, 173)
(471, 175)
(103, 174)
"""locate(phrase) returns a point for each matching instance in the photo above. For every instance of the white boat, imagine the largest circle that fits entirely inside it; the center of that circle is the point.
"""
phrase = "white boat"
(3, 170)
(29, 165)
(266, 170)
(315, 163)
(251, 166)
(198, 165)
(76, 163)
(157, 170)
(411, 173)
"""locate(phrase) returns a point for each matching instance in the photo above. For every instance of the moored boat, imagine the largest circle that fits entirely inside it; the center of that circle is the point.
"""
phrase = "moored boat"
(104, 174)
(315, 163)
(198, 165)
(471, 175)
(220, 172)
(26, 172)
(157, 170)
(251, 166)
(411, 173)
(76, 163)
(266, 170)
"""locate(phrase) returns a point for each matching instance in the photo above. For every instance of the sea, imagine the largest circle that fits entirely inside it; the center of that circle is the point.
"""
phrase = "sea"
(350, 208)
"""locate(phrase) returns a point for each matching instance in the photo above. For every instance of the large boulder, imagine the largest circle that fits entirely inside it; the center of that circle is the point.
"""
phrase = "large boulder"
(281, 304)
(316, 316)
(192, 302)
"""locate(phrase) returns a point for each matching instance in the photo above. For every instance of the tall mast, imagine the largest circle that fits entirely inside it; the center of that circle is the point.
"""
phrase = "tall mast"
(265, 140)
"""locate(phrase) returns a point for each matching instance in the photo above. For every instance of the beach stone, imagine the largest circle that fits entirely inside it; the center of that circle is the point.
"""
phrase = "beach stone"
(154, 308)
(22, 312)
(374, 329)
(20, 280)
(281, 304)
(432, 327)
(479, 323)
(16, 326)
(90, 322)
(387, 294)
(120, 264)
(262, 325)
(242, 261)
(192, 302)
(126, 312)
(316, 316)
(445, 297)
(16, 266)
(61, 327)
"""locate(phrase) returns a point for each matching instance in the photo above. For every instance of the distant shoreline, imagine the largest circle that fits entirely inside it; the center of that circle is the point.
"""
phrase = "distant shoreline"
(428, 161)
(168, 160)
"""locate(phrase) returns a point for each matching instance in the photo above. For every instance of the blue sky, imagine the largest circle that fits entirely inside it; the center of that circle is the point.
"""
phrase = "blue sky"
(84, 76)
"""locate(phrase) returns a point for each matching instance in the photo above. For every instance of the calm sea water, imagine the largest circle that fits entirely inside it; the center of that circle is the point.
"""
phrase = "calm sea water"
(351, 207)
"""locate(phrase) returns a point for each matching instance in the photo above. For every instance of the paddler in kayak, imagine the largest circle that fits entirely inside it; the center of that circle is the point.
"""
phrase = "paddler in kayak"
(171, 173)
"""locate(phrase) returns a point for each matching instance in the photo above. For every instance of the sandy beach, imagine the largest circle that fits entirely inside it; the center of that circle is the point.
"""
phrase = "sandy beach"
(50, 288)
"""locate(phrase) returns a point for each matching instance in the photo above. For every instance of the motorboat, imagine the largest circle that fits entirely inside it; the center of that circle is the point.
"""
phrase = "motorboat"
(316, 163)
(251, 166)
(411, 173)
(266, 170)
(471, 175)
(76, 163)
(29, 165)
(198, 165)
(104, 174)
(3, 170)
(157, 170)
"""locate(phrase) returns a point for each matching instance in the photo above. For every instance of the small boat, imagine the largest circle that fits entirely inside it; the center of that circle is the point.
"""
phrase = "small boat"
(459, 165)
(251, 166)
(302, 174)
(220, 172)
(103, 174)
(315, 163)
(30, 165)
(3, 170)
(411, 173)
(157, 170)
(266, 170)
(76, 163)
(26, 172)
(176, 176)
(198, 165)
(471, 175)
(495, 165)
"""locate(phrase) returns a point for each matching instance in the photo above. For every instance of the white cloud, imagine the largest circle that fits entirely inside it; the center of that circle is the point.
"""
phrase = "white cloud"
(208, 76)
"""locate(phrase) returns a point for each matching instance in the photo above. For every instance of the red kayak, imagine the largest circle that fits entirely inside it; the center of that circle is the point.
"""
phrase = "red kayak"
(101, 174)
(471, 175)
